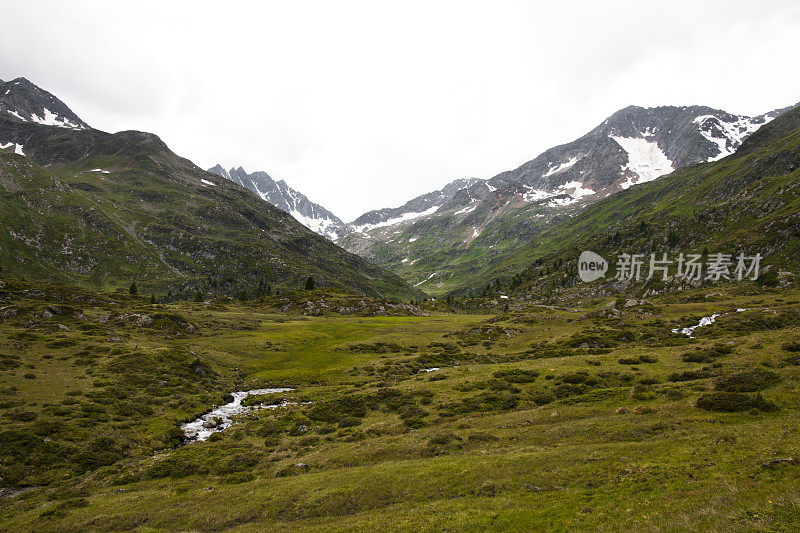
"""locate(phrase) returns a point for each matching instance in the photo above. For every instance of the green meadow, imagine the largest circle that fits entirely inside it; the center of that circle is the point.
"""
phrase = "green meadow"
(591, 417)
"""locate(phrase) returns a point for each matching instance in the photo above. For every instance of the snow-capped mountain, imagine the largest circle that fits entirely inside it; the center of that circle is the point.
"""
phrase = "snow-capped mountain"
(634, 145)
(420, 206)
(22, 100)
(278, 193)
(484, 218)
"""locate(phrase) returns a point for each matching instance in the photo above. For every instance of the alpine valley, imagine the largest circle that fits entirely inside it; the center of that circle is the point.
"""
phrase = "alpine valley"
(191, 350)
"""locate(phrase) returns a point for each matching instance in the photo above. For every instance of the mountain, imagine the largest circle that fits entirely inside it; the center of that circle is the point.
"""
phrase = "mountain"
(88, 207)
(23, 101)
(415, 208)
(278, 193)
(489, 220)
(748, 202)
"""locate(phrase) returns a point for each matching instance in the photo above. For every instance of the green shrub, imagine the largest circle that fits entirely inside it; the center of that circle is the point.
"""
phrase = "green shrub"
(349, 421)
(690, 375)
(515, 375)
(747, 381)
(733, 402)
(338, 409)
(707, 355)
(9, 362)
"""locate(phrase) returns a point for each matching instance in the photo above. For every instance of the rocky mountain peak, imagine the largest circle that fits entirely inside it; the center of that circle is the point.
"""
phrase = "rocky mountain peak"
(23, 101)
(313, 216)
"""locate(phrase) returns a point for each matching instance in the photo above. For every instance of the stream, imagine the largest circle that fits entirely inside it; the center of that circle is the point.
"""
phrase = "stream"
(705, 321)
(206, 425)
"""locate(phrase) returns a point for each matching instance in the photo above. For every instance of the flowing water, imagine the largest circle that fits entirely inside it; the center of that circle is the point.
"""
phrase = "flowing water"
(221, 417)
(705, 321)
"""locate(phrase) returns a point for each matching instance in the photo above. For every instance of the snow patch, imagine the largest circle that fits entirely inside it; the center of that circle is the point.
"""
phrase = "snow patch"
(535, 194)
(52, 119)
(14, 113)
(317, 225)
(423, 281)
(578, 190)
(562, 167)
(405, 217)
(568, 194)
(206, 182)
(17, 147)
(468, 209)
(728, 136)
(645, 159)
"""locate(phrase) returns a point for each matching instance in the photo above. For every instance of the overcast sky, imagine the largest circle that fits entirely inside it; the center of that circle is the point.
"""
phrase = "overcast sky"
(362, 105)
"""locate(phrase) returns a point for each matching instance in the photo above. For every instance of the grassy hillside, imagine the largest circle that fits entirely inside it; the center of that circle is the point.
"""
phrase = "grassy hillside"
(450, 250)
(105, 210)
(584, 418)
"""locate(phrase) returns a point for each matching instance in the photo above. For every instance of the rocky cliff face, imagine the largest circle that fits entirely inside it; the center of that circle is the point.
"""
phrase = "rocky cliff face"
(23, 101)
(278, 193)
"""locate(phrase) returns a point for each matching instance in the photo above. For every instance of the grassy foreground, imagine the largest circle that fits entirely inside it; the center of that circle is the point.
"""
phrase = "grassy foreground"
(593, 417)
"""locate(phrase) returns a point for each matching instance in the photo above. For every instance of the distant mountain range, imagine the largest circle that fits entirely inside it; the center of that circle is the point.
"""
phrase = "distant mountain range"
(477, 225)
(278, 193)
(83, 206)
(80, 199)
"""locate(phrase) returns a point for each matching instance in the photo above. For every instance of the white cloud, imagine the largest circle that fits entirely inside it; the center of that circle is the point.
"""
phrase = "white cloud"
(363, 105)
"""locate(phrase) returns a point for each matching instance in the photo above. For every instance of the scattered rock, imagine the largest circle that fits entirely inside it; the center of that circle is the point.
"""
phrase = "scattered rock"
(34, 294)
(143, 320)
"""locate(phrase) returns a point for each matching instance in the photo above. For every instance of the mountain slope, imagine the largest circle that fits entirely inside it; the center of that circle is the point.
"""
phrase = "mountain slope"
(417, 207)
(23, 101)
(278, 193)
(106, 209)
(748, 202)
(485, 222)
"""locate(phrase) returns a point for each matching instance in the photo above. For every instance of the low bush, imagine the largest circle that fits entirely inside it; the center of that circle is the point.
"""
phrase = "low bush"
(747, 381)
(707, 355)
(690, 375)
(515, 375)
(733, 402)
